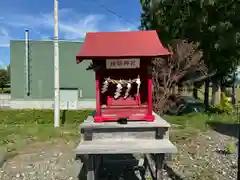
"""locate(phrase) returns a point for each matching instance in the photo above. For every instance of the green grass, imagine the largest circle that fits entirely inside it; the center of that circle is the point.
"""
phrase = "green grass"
(5, 90)
(21, 127)
(186, 128)
(41, 116)
(200, 121)
(14, 137)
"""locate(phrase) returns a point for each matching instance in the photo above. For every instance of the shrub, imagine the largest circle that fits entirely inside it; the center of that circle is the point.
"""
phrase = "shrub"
(228, 93)
(224, 107)
(230, 147)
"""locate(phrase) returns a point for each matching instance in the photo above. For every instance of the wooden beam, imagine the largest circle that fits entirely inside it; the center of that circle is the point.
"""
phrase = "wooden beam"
(155, 165)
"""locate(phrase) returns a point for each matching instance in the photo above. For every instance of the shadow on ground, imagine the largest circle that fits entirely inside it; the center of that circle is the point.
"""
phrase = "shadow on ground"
(118, 171)
(122, 171)
(185, 105)
(226, 129)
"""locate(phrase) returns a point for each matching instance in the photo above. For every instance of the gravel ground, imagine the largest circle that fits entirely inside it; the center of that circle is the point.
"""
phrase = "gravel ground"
(205, 158)
(43, 161)
(196, 159)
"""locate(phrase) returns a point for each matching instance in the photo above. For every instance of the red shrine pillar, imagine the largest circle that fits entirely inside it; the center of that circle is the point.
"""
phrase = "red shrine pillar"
(150, 95)
(98, 105)
(150, 106)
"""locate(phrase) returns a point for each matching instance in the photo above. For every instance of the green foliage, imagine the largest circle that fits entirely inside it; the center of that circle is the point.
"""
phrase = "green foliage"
(228, 93)
(8, 73)
(212, 23)
(4, 79)
(224, 107)
(230, 147)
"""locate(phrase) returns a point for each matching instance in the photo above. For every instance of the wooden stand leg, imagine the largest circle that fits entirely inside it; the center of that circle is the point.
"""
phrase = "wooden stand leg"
(90, 168)
(159, 162)
(97, 162)
(143, 171)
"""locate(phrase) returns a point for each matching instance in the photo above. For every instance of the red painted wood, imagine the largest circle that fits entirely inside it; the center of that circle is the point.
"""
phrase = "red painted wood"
(130, 114)
(133, 107)
(115, 45)
(108, 97)
(149, 95)
(121, 101)
(98, 100)
(128, 107)
(99, 45)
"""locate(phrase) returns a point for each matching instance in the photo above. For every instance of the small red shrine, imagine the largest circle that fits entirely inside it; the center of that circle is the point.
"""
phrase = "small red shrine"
(122, 64)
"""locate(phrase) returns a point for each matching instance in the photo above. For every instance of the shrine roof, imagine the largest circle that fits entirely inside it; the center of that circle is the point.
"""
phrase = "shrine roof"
(100, 45)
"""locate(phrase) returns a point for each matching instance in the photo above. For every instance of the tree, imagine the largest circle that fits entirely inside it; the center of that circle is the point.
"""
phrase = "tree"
(3, 78)
(214, 24)
(8, 73)
(185, 59)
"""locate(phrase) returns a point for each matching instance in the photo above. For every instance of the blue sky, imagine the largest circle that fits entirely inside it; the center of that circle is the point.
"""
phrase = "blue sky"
(76, 17)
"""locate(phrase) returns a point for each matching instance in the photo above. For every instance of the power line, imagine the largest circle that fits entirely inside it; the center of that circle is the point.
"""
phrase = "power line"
(113, 12)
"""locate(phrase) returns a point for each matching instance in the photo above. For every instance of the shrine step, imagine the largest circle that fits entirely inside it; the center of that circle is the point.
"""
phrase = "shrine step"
(157, 129)
(126, 146)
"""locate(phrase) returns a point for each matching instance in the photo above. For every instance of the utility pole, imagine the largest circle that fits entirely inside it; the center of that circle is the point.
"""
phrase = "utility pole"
(56, 68)
(27, 61)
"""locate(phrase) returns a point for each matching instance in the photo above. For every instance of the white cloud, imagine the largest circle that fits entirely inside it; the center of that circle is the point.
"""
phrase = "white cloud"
(4, 38)
(72, 25)
(119, 27)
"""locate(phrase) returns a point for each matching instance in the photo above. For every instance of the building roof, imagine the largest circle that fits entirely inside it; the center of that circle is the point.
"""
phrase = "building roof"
(100, 45)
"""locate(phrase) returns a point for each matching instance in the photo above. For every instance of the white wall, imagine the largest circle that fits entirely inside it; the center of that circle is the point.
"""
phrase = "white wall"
(22, 104)
(6, 102)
